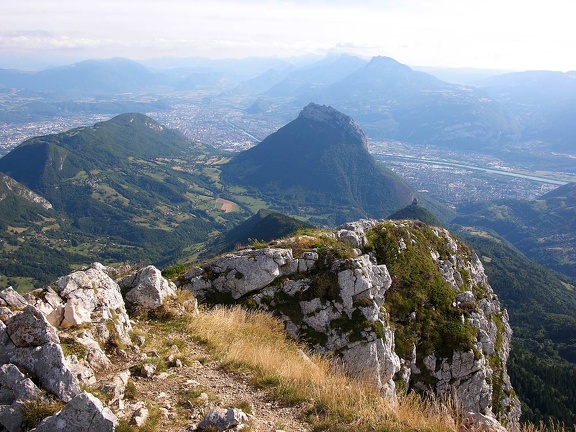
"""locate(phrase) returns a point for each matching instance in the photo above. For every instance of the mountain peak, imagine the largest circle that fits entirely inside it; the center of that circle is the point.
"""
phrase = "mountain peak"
(319, 163)
(334, 118)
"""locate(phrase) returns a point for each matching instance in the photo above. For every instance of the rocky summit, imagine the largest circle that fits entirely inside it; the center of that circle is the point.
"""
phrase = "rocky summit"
(400, 304)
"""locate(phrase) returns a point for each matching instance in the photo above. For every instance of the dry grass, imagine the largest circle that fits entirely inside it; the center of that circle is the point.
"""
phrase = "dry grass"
(256, 341)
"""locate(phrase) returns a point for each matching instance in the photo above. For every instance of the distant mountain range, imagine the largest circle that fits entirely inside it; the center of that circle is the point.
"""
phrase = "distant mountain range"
(544, 100)
(388, 99)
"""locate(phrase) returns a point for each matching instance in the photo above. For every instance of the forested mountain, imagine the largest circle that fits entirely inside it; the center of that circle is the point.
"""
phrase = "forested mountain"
(319, 164)
(543, 229)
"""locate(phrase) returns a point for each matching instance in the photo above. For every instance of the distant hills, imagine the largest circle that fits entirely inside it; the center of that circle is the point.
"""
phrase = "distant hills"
(388, 99)
(319, 164)
(392, 101)
(91, 76)
(543, 229)
(130, 189)
(544, 100)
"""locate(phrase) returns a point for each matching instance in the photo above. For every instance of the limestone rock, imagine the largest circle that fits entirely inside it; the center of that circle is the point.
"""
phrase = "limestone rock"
(15, 390)
(139, 417)
(83, 413)
(92, 296)
(222, 419)
(84, 374)
(116, 387)
(47, 301)
(12, 299)
(30, 329)
(15, 386)
(95, 357)
(243, 272)
(47, 363)
(147, 288)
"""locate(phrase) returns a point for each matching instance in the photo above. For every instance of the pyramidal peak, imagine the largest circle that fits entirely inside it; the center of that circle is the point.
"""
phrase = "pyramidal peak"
(327, 114)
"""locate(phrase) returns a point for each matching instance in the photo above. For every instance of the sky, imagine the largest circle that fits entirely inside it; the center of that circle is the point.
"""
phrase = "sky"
(490, 34)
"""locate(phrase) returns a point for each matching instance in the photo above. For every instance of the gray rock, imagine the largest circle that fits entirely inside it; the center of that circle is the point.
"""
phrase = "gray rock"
(147, 370)
(244, 271)
(15, 391)
(139, 417)
(83, 373)
(116, 387)
(95, 357)
(12, 299)
(223, 419)
(147, 288)
(30, 328)
(15, 386)
(83, 413)
(47, 301)
(93, 297)
(47, 363)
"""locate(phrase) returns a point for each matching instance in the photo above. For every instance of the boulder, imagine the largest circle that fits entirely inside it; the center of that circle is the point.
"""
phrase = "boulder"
(243, 272)
(30, 328)
(222, 419)
(12, 299)
(147, 288)
(15, 390)
(93, 297)
(83, 413)
(47, 363)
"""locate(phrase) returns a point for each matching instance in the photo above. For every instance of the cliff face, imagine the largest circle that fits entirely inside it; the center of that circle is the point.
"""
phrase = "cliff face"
(401, 304)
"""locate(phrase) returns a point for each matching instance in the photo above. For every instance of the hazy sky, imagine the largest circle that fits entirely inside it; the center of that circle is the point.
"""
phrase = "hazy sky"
(504, 34)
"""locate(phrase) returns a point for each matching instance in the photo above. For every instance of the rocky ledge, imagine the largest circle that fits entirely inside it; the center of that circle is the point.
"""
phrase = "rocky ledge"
(400, 304)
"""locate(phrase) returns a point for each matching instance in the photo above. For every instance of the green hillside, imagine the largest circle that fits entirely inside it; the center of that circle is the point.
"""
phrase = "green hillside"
(264, 226)
(127, 189)
(541, 305)
(543, 229)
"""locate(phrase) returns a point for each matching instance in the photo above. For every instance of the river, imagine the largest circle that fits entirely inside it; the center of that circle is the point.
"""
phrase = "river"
(470, 167)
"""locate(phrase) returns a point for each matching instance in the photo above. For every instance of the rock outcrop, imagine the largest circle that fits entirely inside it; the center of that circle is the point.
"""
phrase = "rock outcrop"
(92, 297)
(147, 288)
(84, 413)
(401, 304)
(87, 309)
